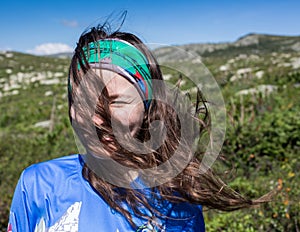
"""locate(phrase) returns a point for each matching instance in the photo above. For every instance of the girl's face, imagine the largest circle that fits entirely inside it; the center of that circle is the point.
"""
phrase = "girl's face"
(126, 104)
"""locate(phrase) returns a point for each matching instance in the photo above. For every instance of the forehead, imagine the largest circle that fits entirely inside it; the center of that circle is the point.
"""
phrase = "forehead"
(115, 83)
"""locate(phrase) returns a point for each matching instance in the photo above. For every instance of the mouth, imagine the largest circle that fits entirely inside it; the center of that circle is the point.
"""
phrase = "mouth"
(104, 135)
(107, 138)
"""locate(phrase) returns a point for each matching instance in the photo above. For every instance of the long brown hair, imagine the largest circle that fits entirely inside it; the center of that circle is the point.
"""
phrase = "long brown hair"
(189, 185)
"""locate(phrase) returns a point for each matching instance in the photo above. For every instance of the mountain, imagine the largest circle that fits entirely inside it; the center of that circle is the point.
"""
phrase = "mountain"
(252, 55)
(62, 55)
(258, 43)
(250, 43)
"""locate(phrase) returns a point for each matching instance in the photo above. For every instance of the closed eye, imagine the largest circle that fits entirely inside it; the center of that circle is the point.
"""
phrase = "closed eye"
(121, 101)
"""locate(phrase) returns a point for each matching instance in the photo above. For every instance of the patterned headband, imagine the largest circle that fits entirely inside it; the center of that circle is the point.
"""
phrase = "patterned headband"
(125, 59)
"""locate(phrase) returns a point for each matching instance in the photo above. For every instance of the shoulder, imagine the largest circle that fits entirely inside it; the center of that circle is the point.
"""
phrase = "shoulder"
(51, 172)
(47, 190)
(62, 164)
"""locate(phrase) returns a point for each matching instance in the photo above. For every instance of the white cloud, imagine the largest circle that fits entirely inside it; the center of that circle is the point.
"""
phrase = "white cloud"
(5, 49)
(69, 23)
(50, 48)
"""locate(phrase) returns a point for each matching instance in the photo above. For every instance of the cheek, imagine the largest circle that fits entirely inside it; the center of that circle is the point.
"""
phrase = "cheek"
(129, 116)
(135, 118)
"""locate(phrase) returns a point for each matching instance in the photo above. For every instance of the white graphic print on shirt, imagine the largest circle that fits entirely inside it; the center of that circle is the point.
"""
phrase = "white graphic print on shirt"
(67, 223)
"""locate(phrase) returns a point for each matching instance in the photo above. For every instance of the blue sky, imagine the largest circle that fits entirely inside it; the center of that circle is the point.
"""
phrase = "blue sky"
(27, 26)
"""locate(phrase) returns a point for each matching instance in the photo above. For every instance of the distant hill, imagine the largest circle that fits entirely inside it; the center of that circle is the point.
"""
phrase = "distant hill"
(252, 55)
(62, 55)
(250, 43)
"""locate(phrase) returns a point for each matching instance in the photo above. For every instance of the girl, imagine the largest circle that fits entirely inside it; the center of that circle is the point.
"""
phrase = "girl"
(116, 97)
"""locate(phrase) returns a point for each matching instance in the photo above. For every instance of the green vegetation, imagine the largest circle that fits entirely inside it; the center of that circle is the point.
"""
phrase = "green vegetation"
(22, 142)
(262, 143)
(261, 147)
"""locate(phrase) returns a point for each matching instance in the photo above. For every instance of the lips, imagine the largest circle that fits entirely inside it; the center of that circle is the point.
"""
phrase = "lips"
(107, 138)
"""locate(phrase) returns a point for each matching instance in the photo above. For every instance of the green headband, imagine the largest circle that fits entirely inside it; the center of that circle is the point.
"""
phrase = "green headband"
(125, 59)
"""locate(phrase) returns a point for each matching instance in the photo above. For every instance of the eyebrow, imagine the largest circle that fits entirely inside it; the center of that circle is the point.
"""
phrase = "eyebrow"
(115, 96)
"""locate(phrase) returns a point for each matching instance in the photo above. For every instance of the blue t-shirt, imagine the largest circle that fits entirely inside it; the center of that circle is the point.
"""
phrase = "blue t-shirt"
(54, 196)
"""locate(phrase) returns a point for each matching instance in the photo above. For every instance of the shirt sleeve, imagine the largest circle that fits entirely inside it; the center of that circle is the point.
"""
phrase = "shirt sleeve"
(20, 218)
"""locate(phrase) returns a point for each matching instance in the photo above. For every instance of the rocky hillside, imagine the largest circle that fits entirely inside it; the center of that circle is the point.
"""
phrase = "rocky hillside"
(254, 56)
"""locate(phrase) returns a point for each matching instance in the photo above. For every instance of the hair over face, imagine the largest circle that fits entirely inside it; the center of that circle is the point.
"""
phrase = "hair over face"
(189, 185)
